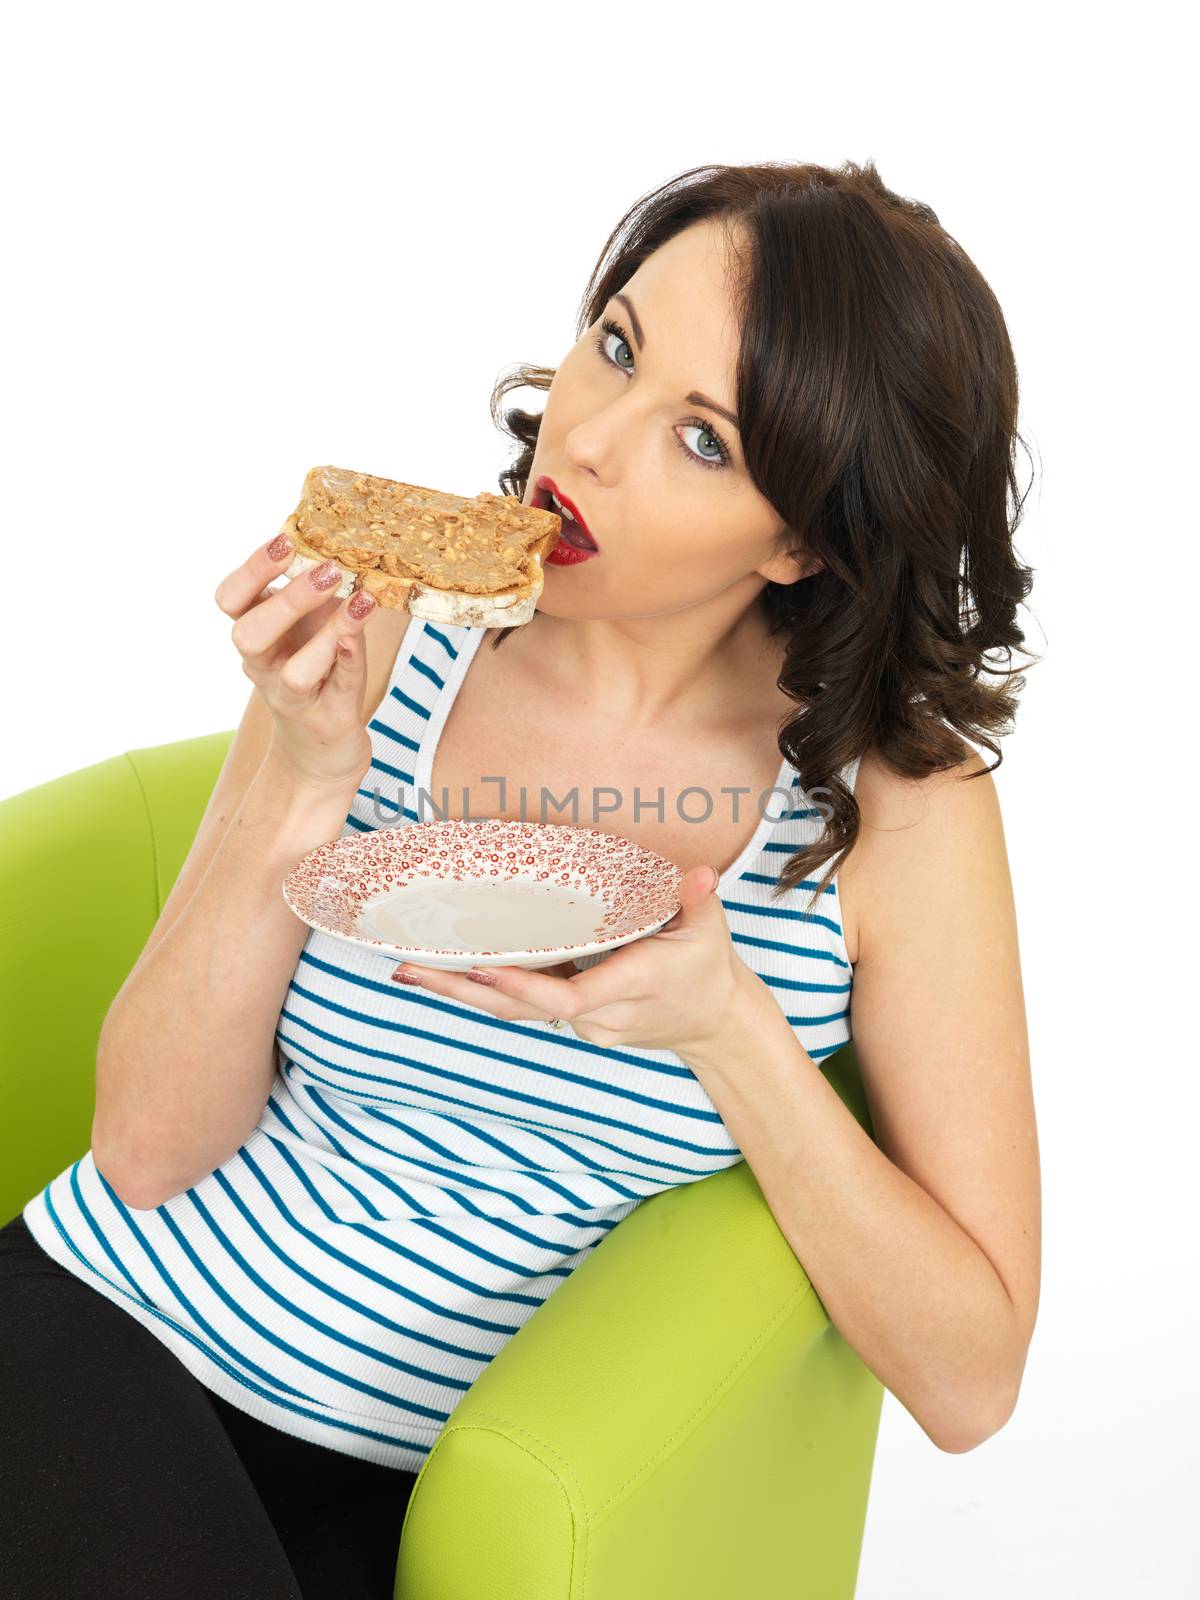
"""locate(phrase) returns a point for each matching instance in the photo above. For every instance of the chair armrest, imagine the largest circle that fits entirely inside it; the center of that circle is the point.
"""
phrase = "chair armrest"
(680, 1418)
(86, 863)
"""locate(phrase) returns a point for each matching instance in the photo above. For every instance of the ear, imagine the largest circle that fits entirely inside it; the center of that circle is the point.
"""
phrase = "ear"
(784, 568)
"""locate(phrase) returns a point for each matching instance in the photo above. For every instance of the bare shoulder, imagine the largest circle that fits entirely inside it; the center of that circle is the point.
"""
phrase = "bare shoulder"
(888, 799)
(891, 806)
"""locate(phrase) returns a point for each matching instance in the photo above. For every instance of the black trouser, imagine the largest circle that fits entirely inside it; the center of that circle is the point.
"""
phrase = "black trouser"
(121, 1475)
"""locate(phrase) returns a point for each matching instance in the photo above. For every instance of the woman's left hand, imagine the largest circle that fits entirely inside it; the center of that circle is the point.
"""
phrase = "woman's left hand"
(678, 989)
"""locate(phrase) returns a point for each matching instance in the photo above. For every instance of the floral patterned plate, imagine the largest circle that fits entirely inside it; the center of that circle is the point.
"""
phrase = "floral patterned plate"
(484, 893)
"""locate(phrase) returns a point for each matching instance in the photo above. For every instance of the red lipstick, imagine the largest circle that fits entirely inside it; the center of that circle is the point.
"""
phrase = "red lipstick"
(575, 533)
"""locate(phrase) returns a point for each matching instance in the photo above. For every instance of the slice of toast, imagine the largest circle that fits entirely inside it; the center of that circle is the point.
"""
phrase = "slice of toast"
(476, 562)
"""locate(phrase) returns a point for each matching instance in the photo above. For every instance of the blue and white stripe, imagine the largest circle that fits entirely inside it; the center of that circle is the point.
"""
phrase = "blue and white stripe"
(425, 1175)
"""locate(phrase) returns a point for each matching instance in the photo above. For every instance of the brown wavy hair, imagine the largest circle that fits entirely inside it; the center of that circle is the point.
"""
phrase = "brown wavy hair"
(877, 396)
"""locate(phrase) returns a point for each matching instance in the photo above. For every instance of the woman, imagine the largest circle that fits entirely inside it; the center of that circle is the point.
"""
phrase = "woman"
(327, 1192)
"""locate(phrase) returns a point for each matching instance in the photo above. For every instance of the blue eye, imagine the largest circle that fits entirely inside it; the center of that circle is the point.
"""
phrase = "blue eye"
(607, 328)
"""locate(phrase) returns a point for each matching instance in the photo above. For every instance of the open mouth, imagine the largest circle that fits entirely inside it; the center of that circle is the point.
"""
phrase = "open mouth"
(574, 529)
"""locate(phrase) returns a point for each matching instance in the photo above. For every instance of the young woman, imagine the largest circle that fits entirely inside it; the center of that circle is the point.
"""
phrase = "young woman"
(321, 1199)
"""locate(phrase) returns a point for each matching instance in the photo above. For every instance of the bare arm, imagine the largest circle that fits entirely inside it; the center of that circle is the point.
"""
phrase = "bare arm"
(924, 1244)
(186, 1055)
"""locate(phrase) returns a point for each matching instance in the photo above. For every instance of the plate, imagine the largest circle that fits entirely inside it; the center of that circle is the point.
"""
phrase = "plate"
(489, 892)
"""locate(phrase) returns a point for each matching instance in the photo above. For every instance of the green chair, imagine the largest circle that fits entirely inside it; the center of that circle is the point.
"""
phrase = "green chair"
(679, 1420)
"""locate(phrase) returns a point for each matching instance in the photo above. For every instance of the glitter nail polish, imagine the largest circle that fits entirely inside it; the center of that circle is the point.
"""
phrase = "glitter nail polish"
(326, 576)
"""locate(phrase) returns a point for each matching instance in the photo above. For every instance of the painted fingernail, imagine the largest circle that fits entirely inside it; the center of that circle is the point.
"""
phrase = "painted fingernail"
(325, 576)
(481, 977)
(359, 604)
(279, 547)
(401, 976)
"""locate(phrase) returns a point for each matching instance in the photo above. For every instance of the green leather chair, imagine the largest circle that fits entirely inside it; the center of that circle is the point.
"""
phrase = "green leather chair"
(679, 1420)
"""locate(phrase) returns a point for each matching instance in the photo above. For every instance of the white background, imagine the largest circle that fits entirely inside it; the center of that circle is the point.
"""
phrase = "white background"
(246, 240)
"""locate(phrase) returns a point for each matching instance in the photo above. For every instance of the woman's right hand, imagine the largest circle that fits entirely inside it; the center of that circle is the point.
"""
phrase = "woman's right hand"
(306, 655)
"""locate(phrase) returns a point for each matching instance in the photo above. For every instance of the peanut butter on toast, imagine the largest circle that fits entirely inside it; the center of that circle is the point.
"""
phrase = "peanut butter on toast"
(444, 557)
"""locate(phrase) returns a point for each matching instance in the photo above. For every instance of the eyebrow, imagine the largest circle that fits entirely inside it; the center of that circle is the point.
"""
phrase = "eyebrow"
(694, 398)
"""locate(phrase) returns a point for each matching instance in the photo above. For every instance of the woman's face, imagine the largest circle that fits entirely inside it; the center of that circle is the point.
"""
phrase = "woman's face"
(657, 477)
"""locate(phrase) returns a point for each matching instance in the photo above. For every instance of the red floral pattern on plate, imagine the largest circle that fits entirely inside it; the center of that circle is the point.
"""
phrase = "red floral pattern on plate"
(637, 887)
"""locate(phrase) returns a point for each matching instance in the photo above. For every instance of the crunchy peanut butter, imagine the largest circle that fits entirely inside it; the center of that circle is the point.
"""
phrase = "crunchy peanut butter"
(474, 546)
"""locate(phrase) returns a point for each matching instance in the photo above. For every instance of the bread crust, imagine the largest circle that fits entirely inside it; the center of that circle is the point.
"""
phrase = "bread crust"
(474, 562)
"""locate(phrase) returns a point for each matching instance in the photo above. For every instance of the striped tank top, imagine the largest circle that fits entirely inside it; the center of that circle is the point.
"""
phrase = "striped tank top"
(423, 1175)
